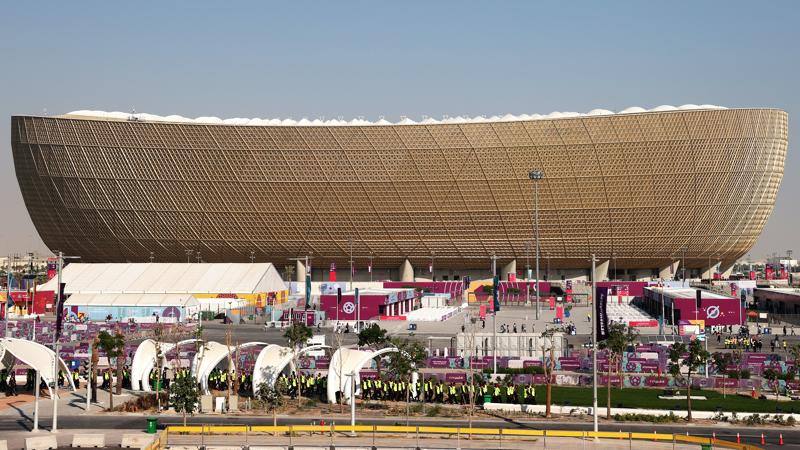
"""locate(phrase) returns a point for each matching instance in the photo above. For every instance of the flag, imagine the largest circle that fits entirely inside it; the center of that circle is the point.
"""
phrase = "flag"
(308, 289)
(369, 267)
(600, 313)
(430, 267)
(495, 287)
(358, 305)
(59, 309)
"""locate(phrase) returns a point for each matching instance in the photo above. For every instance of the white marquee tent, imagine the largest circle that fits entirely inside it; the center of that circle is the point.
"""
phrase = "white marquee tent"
(168, 278)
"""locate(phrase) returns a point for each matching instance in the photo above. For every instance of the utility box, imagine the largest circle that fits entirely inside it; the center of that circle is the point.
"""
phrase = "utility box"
(206, 403)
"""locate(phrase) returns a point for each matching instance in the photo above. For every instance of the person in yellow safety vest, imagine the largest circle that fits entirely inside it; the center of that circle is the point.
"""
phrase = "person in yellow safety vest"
(451, 396)
(496, 395)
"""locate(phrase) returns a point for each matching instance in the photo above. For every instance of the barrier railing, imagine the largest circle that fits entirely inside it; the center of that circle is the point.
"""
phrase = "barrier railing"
(292, 430)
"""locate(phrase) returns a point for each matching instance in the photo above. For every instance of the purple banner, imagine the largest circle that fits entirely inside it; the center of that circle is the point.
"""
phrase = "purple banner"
(455, 377)
(656, 381)
(438, 362)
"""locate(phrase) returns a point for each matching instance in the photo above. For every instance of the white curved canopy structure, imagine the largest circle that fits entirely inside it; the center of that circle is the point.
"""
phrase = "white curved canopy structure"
(34, 355)
(273, 359)
(347, 361)
(205, 360)
(144, 360)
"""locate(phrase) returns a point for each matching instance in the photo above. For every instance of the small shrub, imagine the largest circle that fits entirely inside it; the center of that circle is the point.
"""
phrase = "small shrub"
(635, 417)
(433, 411)
(755, 419)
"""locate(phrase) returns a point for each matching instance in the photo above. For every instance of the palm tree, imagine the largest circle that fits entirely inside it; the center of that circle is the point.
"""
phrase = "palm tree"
(114, 347)
(620, 337)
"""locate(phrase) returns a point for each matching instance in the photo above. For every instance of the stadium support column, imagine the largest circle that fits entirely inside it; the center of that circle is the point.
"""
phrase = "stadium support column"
(709, 269)
(406, 271)
(668, 272)
(601, 271)
(726, 269)
(511, 267)
(300, 272)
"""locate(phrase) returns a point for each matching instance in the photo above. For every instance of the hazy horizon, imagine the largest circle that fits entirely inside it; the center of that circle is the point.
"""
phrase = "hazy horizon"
(307, 59)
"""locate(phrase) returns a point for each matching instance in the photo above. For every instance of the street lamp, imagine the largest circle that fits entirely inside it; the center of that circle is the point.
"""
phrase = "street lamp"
(535, 176)
(59, 310)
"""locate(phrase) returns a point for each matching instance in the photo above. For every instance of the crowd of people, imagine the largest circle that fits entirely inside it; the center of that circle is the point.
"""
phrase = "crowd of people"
(439, 391)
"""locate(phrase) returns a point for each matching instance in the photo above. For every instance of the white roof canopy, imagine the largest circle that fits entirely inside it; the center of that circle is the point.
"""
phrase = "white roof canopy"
(168, 278)
(118, 115)
(345, 365)
(34, 355)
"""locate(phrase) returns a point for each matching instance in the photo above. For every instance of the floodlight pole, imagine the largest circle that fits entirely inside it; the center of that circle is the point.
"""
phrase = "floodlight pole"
(350, 241)
(55, 344)
(535, 176)
(494, 319)
(594, 344)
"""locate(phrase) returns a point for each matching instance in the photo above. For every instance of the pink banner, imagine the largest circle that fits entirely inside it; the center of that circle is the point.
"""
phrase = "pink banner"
(643, 323)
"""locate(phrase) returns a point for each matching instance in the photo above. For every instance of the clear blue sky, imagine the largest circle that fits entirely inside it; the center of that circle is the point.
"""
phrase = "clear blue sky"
(281, 59)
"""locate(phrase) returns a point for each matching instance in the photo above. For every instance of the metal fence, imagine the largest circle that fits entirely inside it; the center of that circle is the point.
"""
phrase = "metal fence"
(331, 436)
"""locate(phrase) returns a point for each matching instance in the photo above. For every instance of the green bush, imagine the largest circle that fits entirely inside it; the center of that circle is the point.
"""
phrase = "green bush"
(634, 417)
(756, 419)
(433, 411)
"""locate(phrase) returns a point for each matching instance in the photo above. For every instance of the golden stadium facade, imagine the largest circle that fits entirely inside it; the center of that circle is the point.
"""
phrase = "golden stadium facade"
(640, 187)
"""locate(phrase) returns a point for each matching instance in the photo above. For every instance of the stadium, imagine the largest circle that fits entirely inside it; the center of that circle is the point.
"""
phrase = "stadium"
(641, 189)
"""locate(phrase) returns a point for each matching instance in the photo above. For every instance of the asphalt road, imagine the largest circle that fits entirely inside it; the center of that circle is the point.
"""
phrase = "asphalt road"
(749, 435)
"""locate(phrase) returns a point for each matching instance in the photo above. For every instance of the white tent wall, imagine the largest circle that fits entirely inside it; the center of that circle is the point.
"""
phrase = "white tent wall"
(140, 307)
